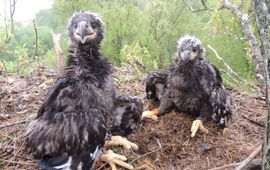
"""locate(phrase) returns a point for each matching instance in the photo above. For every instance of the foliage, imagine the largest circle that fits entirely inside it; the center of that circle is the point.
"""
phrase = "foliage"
(19, 52)
(138, 57)
(46, 18)
(148, 30)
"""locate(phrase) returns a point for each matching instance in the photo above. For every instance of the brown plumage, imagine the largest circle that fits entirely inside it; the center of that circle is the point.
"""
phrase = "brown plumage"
(194, 86)
(82, 107)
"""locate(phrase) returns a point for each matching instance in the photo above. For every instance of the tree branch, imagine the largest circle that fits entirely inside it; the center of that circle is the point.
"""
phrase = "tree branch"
(244, 163)
(230, 69)
(206, 8)
(256, 53)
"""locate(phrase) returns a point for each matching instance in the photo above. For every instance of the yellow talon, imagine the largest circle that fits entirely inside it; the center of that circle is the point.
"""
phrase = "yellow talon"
(226, 131)
(114, 159)
(150, 114)
(119, 140)
(196, 125)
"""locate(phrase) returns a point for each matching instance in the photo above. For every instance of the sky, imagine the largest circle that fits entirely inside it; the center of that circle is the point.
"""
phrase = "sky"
(25, 9)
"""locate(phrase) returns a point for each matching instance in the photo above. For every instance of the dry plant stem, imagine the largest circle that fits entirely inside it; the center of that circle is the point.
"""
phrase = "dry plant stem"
(226, 166)
(148, 153)
(253, 121)
(22, 163)
(15, 154)
(244, 163)
(16, 123)
(36, 41)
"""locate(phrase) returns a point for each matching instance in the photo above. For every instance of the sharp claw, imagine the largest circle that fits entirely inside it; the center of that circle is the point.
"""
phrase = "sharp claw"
(150, 114)
(226, 131)
(114, 159)
(118, 140)
(196, 125)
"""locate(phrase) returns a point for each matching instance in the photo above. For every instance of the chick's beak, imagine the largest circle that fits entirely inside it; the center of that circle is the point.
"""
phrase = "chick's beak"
(83, 30)
(186, 56)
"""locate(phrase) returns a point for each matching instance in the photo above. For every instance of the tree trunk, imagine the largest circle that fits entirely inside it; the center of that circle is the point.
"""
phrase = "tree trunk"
(262, 12)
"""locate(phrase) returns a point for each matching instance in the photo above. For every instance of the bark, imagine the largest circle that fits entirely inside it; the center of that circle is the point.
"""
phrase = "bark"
(256, 53)
(59, 53)
(262, 12)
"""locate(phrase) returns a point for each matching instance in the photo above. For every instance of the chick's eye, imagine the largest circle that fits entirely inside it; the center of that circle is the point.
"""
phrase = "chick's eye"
(194, 49)
(93, 25)
(75, 26)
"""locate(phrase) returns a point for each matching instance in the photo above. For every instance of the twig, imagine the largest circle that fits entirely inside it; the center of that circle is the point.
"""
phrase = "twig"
(148, 153)
(5, 68)
(36, 42)
(198, 10)
(22, 163)
(230, 69)
(245, 162)
(15, 154)
(230, 76)
(253, 121)
(16, 123)
(102, 166)
(4, 117)
(226, 166)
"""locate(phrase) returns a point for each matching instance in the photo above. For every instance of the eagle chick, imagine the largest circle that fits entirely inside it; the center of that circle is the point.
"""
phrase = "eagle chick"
(193, 86)
(82, 107)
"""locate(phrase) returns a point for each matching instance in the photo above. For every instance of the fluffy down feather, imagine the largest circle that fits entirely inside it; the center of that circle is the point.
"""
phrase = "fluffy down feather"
(80, 109)
(194, 85)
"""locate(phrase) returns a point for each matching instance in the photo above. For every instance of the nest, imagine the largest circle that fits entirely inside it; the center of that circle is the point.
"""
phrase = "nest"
(164, 144)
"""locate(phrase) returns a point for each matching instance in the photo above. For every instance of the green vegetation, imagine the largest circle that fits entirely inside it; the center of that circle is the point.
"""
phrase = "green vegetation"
(141, 30)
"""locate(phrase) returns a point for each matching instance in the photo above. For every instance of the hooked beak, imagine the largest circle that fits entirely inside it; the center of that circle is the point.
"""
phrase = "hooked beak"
(186, 56)
(83, 31)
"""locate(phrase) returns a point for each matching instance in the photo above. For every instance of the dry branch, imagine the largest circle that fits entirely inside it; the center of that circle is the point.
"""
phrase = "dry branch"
(253, 121)
(226, 166)
(59, 53)
(21, 163)
(245, 162)
(256, 53)
(242, 164)
(231, 70)
(12, 124)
